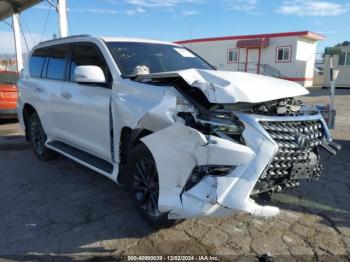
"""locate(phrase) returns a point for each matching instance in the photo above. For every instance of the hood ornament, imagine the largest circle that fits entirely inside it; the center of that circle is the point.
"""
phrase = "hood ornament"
(303, 142)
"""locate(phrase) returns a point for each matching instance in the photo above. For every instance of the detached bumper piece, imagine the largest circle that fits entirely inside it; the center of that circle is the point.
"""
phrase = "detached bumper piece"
(297, 156)
(331, 147)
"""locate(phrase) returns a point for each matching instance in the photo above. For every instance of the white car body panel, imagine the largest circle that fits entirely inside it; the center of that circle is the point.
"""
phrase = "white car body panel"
(84, 120)
(136, 40)
(181, 144)
(234, 87)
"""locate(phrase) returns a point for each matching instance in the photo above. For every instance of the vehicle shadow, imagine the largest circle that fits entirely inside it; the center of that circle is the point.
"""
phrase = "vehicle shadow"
(60, 207)
(329, 197)
(66, 210)
(6, 121)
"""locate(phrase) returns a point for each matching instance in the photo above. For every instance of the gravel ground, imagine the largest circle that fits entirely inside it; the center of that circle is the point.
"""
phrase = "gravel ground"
(61, 210)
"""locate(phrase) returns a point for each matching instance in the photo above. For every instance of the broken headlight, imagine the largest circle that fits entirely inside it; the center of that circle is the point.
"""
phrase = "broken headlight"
(224, 125)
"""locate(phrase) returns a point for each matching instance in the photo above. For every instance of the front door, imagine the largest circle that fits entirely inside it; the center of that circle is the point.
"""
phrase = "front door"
(84, 113)
(252, 62)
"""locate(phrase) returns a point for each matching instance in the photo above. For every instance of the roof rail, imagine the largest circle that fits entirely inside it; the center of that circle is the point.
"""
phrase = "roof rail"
(68, 37)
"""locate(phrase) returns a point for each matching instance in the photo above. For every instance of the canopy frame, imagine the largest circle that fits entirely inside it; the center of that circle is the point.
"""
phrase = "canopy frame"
(13, 8)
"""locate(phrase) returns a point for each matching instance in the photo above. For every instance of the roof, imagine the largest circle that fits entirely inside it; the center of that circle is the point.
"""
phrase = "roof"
(105, 39)
(78, 38)
(136, 40)
(306, 34)
(8, 7)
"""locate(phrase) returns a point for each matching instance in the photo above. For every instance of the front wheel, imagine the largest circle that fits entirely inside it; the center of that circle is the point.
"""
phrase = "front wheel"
(143, 185)
(38, 139)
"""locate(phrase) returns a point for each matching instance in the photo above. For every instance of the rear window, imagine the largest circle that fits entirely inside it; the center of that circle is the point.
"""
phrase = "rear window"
(57, 62)
(37, 62)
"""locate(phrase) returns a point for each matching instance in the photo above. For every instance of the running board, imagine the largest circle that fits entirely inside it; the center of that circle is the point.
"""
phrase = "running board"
(97, 164)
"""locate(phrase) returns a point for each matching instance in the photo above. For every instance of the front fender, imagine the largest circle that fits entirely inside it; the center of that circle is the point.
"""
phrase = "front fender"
(178, 149)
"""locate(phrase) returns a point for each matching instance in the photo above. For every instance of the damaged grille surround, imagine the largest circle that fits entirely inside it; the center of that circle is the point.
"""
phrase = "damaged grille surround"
(297, 156)
(297, 140)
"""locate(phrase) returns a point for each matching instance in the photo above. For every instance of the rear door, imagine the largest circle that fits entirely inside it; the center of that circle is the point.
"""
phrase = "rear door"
(51, 84)
(43, 88)
(84, 113)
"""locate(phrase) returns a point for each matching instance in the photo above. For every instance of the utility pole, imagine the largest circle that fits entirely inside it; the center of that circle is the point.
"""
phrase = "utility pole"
(332, 51)
(18, 44)
(62, 17)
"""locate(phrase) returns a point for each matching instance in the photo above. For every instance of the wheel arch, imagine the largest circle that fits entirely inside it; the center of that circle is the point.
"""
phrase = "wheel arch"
(129, 138)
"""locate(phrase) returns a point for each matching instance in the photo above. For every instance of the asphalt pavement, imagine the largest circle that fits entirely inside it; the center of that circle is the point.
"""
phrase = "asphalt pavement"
(61, 210)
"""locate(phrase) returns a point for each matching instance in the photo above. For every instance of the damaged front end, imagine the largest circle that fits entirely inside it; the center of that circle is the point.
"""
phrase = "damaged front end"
(217, 156)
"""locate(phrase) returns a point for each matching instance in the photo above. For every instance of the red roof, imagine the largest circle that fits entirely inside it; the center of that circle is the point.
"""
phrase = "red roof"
(307, 34)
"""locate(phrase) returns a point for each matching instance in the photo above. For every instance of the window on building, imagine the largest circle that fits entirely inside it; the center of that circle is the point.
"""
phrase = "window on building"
(344, 58)
(284, 54)
(87, 54)
(57, 62)
(37, 62)
(233, 56)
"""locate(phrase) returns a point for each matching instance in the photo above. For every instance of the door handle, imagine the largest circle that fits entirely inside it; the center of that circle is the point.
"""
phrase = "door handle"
(66, 95)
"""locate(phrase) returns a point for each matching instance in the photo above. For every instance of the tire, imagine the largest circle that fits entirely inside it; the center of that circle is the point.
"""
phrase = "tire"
(38, 139)
(143, 186)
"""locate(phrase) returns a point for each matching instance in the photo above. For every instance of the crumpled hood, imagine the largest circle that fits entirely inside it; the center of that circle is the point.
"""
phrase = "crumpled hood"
(234, 87)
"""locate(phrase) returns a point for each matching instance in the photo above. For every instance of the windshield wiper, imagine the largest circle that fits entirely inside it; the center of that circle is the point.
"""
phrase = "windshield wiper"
(132, 77)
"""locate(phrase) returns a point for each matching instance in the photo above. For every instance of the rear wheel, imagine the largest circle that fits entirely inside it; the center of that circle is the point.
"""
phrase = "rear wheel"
(38, 139)
(143, 185)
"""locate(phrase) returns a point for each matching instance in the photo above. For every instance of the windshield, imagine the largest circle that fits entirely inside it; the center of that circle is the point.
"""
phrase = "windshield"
(144, 58)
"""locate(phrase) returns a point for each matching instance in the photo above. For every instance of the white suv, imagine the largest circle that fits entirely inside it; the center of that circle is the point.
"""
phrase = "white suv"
(187, 140)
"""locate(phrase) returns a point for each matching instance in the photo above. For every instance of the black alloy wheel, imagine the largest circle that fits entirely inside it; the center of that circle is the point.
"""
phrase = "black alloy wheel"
(143, 185)
(38, 139)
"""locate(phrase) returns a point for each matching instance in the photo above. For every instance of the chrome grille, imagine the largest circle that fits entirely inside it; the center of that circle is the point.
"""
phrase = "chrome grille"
(286, 135)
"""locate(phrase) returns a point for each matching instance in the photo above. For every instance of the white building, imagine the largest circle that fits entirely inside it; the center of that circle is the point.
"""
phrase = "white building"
(341, 63)
(288, 55)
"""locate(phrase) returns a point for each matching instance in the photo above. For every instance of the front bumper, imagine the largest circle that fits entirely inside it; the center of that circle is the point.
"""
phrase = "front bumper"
(8, 113)
(178, 149)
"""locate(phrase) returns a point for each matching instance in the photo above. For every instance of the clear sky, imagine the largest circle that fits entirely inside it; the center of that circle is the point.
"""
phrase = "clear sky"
(179, 19)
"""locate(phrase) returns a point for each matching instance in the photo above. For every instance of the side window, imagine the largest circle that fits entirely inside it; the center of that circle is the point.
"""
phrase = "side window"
(233, 56)
(57, 62)
(283, 54)
(37, 61)
(344, 58)
(87, 54)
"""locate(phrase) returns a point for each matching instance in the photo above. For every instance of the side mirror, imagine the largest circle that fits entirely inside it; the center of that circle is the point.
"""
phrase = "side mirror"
(89, 74)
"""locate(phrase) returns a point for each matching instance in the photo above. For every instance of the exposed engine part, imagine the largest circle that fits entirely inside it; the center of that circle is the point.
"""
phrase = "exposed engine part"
(284, 107)
(223, 124)
(281, 107)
